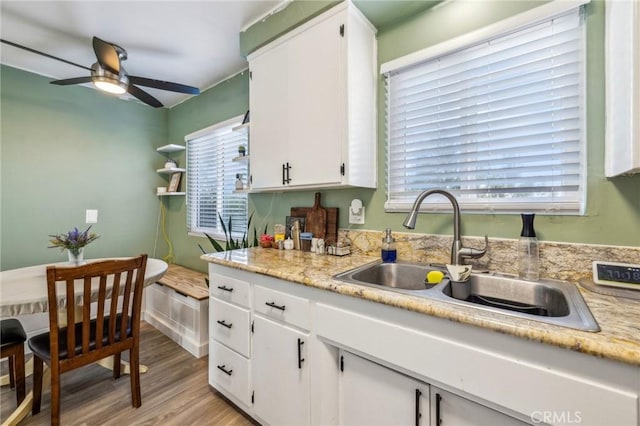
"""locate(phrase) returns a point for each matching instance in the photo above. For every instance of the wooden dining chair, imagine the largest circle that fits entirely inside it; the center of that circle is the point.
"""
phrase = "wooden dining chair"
(114, 328)
(12, 338)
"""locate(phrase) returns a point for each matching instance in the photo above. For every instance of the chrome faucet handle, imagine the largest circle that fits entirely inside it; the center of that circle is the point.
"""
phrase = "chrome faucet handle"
(473, 253)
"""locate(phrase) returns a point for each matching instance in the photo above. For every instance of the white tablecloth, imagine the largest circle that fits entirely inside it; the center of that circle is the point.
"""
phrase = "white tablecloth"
(24, 290)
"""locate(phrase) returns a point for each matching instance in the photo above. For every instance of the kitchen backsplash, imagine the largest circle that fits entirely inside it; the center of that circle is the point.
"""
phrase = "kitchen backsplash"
(564, 261)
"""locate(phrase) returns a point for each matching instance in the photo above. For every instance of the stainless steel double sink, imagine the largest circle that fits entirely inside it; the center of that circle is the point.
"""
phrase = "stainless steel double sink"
(549, 301)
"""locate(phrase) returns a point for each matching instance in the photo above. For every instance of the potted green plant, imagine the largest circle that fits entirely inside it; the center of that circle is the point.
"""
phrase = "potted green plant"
(230, 243)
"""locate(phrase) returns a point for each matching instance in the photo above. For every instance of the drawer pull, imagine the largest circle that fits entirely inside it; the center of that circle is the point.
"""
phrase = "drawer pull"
(273, 305)
(224, 370)
(225, 288)
(224, 324)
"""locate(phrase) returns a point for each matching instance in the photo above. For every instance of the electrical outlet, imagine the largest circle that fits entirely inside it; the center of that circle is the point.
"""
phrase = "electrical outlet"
(356, 212)
(91, 216)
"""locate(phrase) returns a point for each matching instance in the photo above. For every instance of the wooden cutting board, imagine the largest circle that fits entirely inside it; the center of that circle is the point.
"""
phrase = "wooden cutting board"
(316, 222)
(331, 225)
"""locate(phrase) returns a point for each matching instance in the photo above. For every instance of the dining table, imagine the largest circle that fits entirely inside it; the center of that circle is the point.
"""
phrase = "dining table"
(23, 291)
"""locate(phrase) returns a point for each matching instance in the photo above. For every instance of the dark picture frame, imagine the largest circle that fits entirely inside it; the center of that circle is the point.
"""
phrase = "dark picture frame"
(289, 223)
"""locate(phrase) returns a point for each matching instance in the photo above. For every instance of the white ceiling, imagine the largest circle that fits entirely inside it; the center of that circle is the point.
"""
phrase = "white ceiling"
(189, 42)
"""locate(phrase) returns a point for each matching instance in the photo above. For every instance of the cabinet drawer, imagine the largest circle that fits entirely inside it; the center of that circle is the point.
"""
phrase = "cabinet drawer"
(284, 307)
(229, 289)
(229, 324)
(229, 370)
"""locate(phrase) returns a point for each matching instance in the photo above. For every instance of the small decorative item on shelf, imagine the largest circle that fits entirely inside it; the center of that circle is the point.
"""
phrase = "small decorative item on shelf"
(239, 184)
(242, 150)
(74, 242)
(170, 164)
(174, 182)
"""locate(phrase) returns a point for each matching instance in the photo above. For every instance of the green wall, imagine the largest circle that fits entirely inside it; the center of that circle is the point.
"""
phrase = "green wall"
(68, 149)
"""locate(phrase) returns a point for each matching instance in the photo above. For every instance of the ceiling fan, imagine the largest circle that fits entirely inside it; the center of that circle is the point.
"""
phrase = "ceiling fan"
(107, 74)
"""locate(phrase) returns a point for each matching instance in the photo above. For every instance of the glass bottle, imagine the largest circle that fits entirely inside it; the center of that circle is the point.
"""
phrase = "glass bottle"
(389, 253)
(239, 184)
(528, 251)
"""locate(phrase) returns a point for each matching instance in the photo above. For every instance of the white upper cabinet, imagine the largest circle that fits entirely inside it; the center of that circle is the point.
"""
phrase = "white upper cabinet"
(622, 51)
(312, 103)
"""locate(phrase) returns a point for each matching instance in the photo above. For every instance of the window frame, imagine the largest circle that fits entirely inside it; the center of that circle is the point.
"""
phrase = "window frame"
(509, 25)
(197, 231)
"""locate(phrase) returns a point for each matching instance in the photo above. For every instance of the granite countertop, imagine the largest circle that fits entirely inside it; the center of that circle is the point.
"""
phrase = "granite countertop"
(619, 318)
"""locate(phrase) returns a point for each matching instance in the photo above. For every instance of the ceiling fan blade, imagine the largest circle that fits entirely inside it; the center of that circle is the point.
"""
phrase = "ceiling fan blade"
(70, 81)
(107, 55)
(164, 85)
(144, 96)
(28, 49)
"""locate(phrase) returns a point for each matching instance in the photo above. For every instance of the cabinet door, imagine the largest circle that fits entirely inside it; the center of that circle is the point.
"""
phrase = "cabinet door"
(280, 372)
(317, 103)
(269, 118)
(450, 409)
(371, 394)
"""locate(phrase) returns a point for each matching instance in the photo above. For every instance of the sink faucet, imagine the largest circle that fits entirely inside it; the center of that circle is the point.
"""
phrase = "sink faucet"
(458, 252)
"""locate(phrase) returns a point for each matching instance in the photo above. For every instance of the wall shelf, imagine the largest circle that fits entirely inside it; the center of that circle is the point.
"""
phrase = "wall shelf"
(167, 149)
(240, 158)
(167, 171)
(165, 194)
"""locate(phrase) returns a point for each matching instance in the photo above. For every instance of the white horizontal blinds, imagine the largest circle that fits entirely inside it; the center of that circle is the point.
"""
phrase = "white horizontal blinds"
(499, 124)
(211, 176)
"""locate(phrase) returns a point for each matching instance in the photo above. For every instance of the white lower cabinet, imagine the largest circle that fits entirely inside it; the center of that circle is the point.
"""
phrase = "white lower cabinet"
(305, 356)
(450, 409)
(372, 395)
(280, 373)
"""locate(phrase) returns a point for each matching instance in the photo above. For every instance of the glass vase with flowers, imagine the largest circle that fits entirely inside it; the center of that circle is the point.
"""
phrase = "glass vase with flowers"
(74, 242)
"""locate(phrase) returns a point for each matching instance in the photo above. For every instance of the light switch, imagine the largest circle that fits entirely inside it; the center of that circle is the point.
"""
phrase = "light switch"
(91, 216)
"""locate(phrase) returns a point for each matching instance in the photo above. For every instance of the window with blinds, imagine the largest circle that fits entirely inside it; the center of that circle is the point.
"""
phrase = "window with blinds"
(211, 176)
(498, 123)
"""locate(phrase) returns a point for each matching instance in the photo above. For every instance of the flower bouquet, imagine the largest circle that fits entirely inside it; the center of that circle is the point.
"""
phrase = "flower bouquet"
(73, 240)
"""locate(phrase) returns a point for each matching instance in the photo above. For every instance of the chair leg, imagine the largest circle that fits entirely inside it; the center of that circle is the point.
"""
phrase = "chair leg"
(37, 384)
(19, 374)
(116, 365)
(55, 394)
(134, 363)
(11, 360)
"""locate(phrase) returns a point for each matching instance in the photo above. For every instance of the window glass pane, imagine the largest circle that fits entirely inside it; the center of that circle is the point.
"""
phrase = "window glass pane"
(211, 177)
(499, 124)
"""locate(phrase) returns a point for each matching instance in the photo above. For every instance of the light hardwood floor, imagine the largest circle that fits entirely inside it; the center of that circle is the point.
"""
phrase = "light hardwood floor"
(174, 392)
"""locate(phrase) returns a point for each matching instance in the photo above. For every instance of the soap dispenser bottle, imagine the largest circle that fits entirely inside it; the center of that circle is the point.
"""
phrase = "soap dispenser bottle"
(528, 251)
(389, 253)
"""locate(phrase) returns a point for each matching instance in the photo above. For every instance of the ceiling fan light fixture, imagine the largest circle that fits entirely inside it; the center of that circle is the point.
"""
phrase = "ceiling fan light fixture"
(108, 81)
(109, 86)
